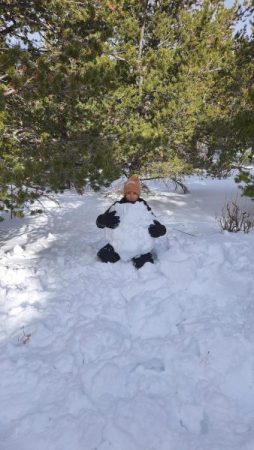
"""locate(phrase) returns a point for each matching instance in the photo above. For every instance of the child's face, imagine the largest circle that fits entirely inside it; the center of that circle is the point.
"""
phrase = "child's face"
(131, 196)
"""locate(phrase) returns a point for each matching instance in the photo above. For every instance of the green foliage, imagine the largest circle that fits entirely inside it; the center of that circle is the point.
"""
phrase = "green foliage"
(52, 125)
(105, 87)
(244, 116)
(232, 132)
(246, 180)
(174, 63)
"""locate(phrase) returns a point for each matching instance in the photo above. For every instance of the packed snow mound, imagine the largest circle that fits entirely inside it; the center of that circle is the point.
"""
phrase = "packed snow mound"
(131, 237)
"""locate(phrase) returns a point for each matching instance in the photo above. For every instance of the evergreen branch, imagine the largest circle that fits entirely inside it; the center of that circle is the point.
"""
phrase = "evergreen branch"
(172, 178)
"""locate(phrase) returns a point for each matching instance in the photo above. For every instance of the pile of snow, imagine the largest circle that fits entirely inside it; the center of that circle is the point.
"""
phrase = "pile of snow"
(131, 238)
(102, 356)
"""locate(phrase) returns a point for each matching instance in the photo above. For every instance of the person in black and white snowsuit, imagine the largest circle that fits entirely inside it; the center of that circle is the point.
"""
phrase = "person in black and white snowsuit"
(131, 228)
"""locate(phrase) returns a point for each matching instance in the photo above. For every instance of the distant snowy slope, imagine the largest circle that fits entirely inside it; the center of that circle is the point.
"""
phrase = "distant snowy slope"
(100, 356)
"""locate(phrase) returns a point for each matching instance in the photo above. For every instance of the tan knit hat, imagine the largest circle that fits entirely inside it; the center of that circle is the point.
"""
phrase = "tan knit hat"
(132, 185)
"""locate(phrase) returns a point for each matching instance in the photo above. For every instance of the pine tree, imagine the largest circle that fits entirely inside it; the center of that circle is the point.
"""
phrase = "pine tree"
(173, 62)
(244, 117)
(115, 87)
(51, 127)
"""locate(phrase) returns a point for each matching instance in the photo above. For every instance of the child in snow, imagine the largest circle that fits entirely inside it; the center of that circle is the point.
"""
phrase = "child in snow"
(131, 228)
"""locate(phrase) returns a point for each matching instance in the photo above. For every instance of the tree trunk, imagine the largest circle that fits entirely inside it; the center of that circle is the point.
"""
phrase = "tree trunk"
(140, 49)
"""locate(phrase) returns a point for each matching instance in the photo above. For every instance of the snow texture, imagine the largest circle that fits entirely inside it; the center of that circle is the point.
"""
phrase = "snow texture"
(100, 356)
(131, 237)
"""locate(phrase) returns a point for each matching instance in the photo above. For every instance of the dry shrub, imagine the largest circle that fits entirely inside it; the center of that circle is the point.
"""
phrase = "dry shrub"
(234, 218)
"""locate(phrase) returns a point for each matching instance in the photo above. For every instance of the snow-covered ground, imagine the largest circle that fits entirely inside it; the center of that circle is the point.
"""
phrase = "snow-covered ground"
(97, 356)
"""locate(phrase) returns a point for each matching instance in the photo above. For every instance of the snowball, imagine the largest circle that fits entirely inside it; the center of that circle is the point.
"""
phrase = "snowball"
(131, 238)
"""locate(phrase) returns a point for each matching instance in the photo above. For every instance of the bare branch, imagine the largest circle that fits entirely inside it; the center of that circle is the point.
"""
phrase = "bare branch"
(234, 219)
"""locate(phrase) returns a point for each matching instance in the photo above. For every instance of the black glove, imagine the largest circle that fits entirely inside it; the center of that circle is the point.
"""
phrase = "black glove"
(157, 229)
(108, 219)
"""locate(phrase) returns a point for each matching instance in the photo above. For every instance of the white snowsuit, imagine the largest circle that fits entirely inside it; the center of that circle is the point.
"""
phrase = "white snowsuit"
(131, 238)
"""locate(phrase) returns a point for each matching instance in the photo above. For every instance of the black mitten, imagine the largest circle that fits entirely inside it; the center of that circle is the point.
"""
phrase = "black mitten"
(108, 219)
(156, 229)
